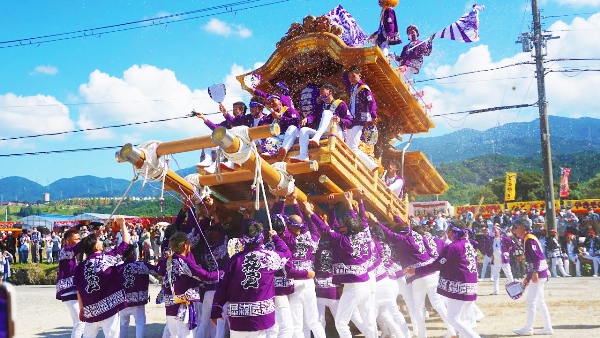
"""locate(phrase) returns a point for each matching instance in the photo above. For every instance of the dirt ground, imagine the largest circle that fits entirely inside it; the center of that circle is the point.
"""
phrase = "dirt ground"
(574, 306)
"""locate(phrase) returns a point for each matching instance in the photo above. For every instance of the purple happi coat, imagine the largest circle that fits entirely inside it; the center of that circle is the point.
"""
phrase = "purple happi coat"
(506, 248)
(249, 287)
(535, 260)
(349, 263)
(411, 251)
(100, 284)
(362, 103)
(135, 281)
(186, 277)
(302, 246)
(67, 262)
(290, 117)
(458, 270)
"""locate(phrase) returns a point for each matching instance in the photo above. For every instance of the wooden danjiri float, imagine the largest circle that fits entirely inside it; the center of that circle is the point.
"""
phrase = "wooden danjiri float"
(312, 52)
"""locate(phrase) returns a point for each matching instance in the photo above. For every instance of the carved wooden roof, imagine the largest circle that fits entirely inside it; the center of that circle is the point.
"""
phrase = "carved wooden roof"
(420, 176)
(307, 56)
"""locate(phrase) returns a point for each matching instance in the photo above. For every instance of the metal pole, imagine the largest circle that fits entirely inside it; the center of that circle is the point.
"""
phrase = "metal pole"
(538, 42)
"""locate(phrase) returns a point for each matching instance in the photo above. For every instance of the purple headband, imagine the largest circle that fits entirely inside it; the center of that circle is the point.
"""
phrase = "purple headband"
(458, 233)
(273, 96)
(254, 104)
(287, 221)
(256, 240)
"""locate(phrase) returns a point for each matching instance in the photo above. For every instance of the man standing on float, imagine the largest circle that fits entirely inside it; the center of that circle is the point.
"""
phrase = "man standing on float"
(363, 111)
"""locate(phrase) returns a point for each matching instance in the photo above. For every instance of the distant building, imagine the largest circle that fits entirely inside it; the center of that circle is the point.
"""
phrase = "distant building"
(46, 197)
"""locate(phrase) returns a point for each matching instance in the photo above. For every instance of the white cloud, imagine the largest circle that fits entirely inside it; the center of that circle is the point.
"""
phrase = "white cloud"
(568, 94)
(28, 115)
(45, 69)
(219, 27)
(146, 93)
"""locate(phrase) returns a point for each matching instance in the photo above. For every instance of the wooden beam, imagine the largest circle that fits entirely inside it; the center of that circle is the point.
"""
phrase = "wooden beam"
(231, 144)
(329, 184)
(245, 175)
(172, 180)
(202, 142)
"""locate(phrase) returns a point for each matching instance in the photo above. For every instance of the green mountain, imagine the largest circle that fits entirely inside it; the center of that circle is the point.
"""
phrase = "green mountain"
(568, 136)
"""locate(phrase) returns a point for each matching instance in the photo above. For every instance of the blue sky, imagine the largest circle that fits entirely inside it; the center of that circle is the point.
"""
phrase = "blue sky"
(163, 70)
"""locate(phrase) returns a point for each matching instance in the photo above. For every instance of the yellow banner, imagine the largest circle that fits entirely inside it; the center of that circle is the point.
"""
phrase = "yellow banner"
(582, 205)
(486, 209)
(528, 205)
(510, 190)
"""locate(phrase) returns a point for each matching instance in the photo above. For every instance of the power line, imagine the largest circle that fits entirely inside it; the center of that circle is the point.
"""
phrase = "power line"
(485, 110)
(563, 15)
(60, 151)
(477, 71)
(100, 128)
(506, 66)
(84, 33)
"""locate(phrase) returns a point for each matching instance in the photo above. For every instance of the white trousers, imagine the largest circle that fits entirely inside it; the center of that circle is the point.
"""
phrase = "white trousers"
(353, 140)
(407, 294)
(535, 299)
(356, 296)
(596, 260)
(484, 265)
(332, 304)
(205, 328)
(427, 286)
(248, 334)
(179, 329)
(284, 325)
(78, 326)
(308, 134)
(289, 137)
(574, 259)
(385, 300)
(303, 303)
(110, 327)
(496, 273)
(139, 316)
(558, 262)
(457, 311)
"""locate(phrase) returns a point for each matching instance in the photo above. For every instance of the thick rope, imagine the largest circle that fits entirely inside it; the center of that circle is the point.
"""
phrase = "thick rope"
(247, 148)
(286, 180)
(200, 193)
(153, 168)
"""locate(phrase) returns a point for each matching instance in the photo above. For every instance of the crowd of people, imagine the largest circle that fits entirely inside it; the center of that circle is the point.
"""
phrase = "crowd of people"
(265, 278)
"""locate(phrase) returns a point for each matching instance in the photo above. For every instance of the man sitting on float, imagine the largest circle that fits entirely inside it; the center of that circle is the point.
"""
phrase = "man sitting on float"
(288, 119)
(328, 110)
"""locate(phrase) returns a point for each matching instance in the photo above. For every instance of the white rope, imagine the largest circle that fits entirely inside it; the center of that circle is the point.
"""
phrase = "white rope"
(200, 193)
(247, 148)
(286, 180)
(153, 168)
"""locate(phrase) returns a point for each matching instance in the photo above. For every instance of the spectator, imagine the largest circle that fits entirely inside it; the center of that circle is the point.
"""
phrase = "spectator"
(592, 250)
(553, 252)
(11, 244)
(56, 246)
(48, 245)
(35, 238)
(24, 243)
(571, 248)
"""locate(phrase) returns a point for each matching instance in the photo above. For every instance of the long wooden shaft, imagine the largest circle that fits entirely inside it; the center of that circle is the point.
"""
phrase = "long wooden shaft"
(202, 142)
(245, 175)
(323, 179)
(231, 144)
(172, 180)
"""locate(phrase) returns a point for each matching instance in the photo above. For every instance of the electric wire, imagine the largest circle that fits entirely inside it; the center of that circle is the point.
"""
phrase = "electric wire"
(193, 114)
(84, 33)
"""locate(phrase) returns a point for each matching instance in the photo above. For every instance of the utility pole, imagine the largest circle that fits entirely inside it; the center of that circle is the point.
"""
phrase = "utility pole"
(539, 43)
